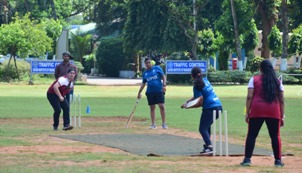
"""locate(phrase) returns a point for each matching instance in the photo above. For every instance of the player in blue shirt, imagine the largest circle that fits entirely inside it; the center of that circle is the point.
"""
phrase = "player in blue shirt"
(155, 79)
(203, 88)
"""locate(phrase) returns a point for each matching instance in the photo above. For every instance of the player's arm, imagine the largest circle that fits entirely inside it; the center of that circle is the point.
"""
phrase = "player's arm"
(198, 104)
(281, 102)
(184, 105)
(249, 99)
(57, 91)
(140, 90)
(164, 79)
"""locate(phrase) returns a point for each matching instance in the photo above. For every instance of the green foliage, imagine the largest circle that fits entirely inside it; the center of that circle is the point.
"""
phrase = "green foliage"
(110, 57)
(254, 65)
(90, 62)
(55, 9)
(295, 42)
(78, 65)
(275, 42)
(223, 51)
(231, 77)
(80, 45)
(24, 37)
(109, 11)
(206, 43)
(23, 70)
(250, 37)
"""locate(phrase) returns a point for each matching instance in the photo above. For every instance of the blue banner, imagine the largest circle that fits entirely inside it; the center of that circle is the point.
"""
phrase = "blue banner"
(184, 67)
(44, 66)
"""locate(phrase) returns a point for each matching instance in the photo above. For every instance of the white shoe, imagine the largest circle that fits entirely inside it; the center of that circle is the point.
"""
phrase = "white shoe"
(164, 126)
(153, 127)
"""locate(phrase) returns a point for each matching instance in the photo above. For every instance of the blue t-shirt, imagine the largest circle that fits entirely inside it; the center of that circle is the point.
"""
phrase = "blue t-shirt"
(153, 79)
(210, 100)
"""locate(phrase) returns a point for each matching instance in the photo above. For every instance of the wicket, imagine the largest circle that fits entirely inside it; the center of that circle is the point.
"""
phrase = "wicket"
(76, 115)
(220, 133)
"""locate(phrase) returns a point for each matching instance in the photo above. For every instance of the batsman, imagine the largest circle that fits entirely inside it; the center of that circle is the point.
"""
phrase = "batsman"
(155, 79)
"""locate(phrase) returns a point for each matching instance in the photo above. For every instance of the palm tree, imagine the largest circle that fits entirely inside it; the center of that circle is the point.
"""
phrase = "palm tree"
(80, 45)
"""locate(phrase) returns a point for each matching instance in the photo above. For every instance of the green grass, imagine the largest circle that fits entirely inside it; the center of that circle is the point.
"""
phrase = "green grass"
(26, 101)
(19, 102)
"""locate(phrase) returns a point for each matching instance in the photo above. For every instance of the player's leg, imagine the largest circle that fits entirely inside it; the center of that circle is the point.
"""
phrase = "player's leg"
(66, 115)
(151, 103)
(55, 103)
(160, 100)
(273, 126)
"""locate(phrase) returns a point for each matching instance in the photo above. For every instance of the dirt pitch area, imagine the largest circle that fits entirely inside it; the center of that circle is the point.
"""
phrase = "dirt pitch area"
(45, 143)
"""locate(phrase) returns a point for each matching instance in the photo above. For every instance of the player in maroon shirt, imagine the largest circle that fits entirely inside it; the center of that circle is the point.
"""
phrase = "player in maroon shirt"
(56, 96)
(264, 103)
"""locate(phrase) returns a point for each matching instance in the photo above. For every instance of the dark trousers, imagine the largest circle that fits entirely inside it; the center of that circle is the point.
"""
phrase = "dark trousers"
(206, 120)
(273, 126)
(57, 105)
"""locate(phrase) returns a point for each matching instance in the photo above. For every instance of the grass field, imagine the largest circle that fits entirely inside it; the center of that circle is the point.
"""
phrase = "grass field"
(26, 117)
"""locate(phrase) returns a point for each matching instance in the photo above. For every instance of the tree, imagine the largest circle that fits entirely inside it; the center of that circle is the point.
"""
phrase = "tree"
(53, 29)
(284, 35)
(223, 51)
(245, 25)
(206, 43)
(23, 37)
(185, 15)
(111, 16)
(80, 45)
(236, 32)
(55, 9)
(275, 43)
(268, 10)
(250, 40)
(295, 44)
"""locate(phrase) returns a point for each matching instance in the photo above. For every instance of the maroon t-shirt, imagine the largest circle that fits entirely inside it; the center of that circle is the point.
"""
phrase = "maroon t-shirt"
(64, 88)
(261, 108)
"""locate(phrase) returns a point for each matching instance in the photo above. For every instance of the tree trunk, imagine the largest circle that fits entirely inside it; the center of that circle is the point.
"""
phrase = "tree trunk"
(27, 7)
(54, 14)
(285, 33)
(238, 47)
(16, 67)
(194, 52)
(267, 24)
(5, 76)
(195, 41)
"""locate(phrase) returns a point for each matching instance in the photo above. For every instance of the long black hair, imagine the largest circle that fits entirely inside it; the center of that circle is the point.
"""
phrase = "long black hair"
(197, 75)
(270, 82)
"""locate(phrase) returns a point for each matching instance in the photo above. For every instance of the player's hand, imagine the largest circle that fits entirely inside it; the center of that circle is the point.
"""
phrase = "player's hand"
(282, 122)
(184, 105)
(247, 118)
(139, 96)
(164, 89)
(61, 98)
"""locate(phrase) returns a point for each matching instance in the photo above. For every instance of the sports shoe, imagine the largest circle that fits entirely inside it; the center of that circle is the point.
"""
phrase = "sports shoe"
(153, 126)
(164, 126)
(246, 162)
(55, 128)
(279, 163)
(69, 127)
(207, 150)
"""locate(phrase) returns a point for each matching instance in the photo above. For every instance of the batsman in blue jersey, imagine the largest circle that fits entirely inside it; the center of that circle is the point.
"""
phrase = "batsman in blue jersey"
(155, 79)
(203, 88)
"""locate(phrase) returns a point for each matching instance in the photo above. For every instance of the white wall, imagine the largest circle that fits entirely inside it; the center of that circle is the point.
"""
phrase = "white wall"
(62, 44)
